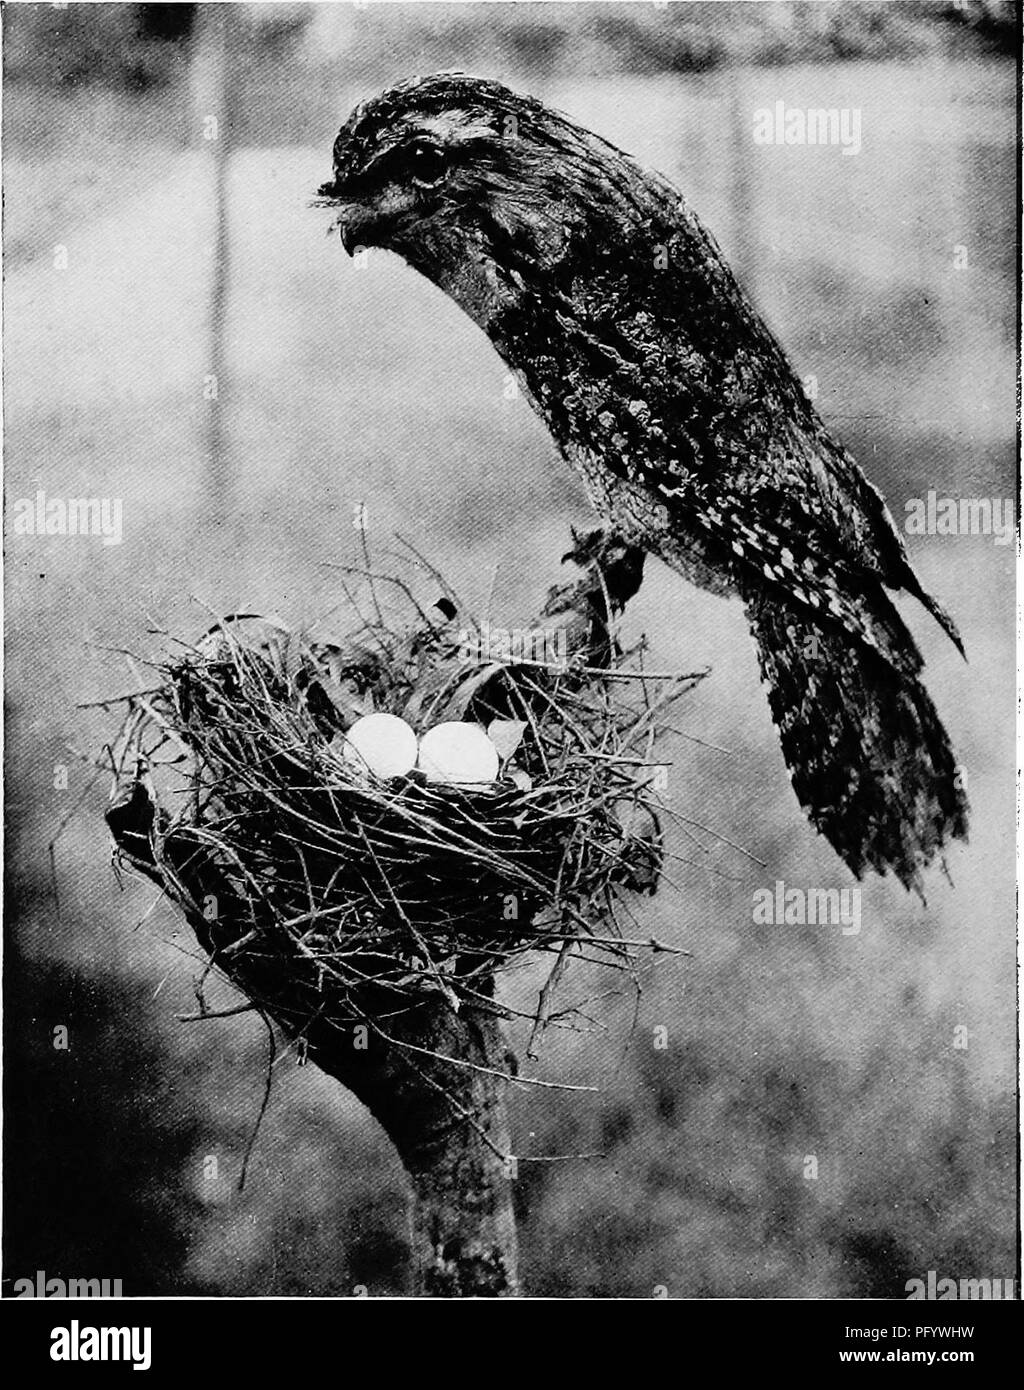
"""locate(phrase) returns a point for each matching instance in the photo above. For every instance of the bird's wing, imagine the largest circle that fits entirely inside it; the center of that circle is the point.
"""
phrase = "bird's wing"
(711, 418)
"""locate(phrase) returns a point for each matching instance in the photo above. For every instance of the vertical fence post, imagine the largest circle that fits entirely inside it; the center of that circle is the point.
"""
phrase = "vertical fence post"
(211, 98)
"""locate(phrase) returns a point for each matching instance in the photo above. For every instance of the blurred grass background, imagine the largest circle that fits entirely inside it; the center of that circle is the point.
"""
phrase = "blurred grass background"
(339, 385)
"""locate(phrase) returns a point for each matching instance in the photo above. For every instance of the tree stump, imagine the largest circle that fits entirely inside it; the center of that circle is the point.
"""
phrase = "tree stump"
(437, 1078)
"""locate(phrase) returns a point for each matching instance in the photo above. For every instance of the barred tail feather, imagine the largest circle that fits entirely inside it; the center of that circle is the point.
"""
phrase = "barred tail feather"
(869, 759)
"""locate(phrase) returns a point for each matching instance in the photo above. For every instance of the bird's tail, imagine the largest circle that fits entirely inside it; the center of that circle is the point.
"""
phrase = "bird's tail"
(868, 756)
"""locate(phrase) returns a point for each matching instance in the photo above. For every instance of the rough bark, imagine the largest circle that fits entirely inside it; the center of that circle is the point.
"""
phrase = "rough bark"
(447, 1120)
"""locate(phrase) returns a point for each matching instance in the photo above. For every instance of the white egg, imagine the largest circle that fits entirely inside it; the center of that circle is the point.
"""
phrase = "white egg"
(459, 754)
(381, 743)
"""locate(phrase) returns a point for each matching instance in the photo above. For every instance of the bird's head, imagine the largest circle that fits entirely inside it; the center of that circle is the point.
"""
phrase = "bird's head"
(477, 187)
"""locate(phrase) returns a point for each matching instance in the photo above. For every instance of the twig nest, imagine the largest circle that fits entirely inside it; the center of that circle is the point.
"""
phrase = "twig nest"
(458, 754)
(383, 744)
(391, 814)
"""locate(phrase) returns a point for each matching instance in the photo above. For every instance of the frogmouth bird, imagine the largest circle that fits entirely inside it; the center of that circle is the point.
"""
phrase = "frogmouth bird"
(663, 388)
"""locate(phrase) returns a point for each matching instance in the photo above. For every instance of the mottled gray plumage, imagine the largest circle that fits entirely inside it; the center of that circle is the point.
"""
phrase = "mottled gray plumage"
(665, 390)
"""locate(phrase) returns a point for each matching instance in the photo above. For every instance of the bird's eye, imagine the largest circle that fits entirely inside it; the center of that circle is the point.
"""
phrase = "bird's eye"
(427, 163)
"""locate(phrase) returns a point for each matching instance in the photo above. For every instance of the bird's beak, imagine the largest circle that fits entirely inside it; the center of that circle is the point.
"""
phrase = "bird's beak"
(350, 215)
(348, 234)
